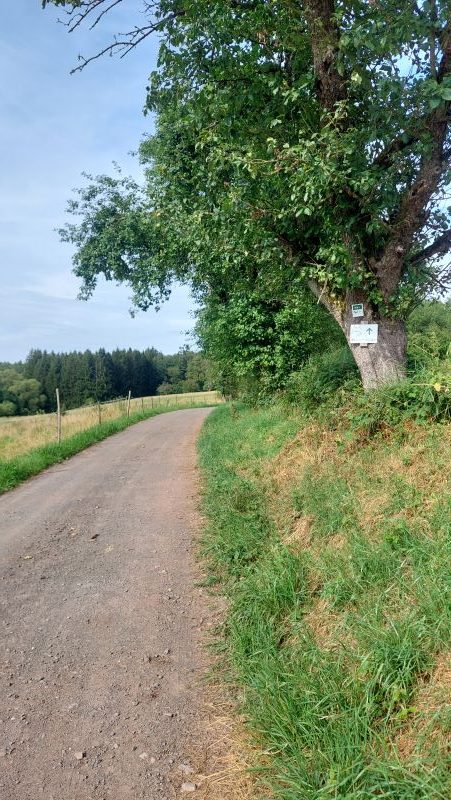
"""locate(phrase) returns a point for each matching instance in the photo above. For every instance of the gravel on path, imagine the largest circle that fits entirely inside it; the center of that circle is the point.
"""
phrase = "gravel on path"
(100, 621)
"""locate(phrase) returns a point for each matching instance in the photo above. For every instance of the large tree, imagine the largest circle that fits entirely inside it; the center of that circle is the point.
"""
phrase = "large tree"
(295, 140)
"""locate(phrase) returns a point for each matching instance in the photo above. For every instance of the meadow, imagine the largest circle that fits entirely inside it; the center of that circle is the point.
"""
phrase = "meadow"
(28, 445)
(19, 435)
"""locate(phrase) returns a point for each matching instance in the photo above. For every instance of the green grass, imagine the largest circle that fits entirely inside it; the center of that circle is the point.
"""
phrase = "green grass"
(332, 495)
(327, 705)
(17, 470)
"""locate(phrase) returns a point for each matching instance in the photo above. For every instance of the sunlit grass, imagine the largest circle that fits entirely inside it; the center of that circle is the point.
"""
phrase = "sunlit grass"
(19, 435)
(86, 430)
(335, 555)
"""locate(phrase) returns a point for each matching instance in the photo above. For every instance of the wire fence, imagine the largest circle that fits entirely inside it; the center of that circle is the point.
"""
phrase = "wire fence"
(21, 434)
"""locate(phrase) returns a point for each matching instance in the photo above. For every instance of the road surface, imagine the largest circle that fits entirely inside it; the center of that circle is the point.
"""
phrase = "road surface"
(101, 664)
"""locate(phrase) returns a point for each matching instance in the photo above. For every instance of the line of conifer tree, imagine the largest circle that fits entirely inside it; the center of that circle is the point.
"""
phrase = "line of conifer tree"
(87, 377)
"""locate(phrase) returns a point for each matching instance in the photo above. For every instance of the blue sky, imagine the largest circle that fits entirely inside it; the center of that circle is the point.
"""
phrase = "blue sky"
(54, 126)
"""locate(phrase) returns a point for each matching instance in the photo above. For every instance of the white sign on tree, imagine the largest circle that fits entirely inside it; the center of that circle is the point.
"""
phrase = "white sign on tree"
(364, 333)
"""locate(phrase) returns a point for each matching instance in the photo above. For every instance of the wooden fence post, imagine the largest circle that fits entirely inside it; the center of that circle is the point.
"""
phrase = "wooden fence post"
(142, 404)
(58, 417)
(128, 402)
(99, 409)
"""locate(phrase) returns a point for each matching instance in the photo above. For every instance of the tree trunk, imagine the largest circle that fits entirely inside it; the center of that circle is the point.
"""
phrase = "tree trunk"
(381, 363)
(384, 362)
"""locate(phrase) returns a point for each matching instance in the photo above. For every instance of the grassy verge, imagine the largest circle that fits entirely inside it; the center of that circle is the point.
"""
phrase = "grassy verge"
(17, 470)
(335, 553)
(19, 435)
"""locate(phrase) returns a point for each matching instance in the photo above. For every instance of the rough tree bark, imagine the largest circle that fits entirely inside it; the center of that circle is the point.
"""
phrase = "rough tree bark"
(380, 363)
(384, 362)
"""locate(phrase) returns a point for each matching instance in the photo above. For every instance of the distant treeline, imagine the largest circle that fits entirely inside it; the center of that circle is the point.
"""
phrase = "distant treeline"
(87, 377)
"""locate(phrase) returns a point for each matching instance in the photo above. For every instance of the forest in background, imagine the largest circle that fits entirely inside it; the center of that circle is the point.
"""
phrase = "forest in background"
(86, 377)
(254, 356)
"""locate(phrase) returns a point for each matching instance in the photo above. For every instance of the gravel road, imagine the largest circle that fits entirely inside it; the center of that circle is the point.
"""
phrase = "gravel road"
(101, 622)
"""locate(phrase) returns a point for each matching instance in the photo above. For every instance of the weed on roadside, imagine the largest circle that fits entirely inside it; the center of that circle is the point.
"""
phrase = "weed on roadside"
(334, 636)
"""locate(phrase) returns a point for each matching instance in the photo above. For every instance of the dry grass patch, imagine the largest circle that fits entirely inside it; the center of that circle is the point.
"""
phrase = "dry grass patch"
(427, 730)
(299, 537)
(19, 435)
(371, 508)
(320, 547)
(226, 764)
(370, 474)
(294, 457)
(421, 464)
(309, 448)
(324, 624)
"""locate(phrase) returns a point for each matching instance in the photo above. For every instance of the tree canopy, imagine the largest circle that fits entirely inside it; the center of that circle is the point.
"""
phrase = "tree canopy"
(19, 394)
(85, 378)
(297, 144)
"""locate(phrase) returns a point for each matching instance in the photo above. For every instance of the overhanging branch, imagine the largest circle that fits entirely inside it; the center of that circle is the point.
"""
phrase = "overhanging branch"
(438, 248)
(93, 11)
(80, 12)
(125, 42)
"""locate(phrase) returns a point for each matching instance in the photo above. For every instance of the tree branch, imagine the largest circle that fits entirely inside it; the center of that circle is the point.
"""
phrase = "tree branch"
(325, 35)
(438, 248)
(322, 296)
(105, 11)
(78, 13)
(445, 41)
(432, 39)
(405, 141)
(412, 213)
(130, 40)
(396, 146)
(95, 10)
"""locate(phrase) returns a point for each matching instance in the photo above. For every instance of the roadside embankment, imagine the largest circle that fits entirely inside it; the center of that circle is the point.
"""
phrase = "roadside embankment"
(333, 548)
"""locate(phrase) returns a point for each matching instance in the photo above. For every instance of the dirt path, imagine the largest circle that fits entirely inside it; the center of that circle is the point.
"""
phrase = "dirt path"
(100, 621)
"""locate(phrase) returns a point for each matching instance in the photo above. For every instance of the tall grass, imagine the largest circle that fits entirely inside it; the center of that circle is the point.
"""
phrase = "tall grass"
(335, 555)
(19, 468)
(19, 435)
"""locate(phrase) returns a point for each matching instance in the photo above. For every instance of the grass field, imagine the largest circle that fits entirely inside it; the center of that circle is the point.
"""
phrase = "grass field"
(30, 442)
(335, 554)
(19, 435)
